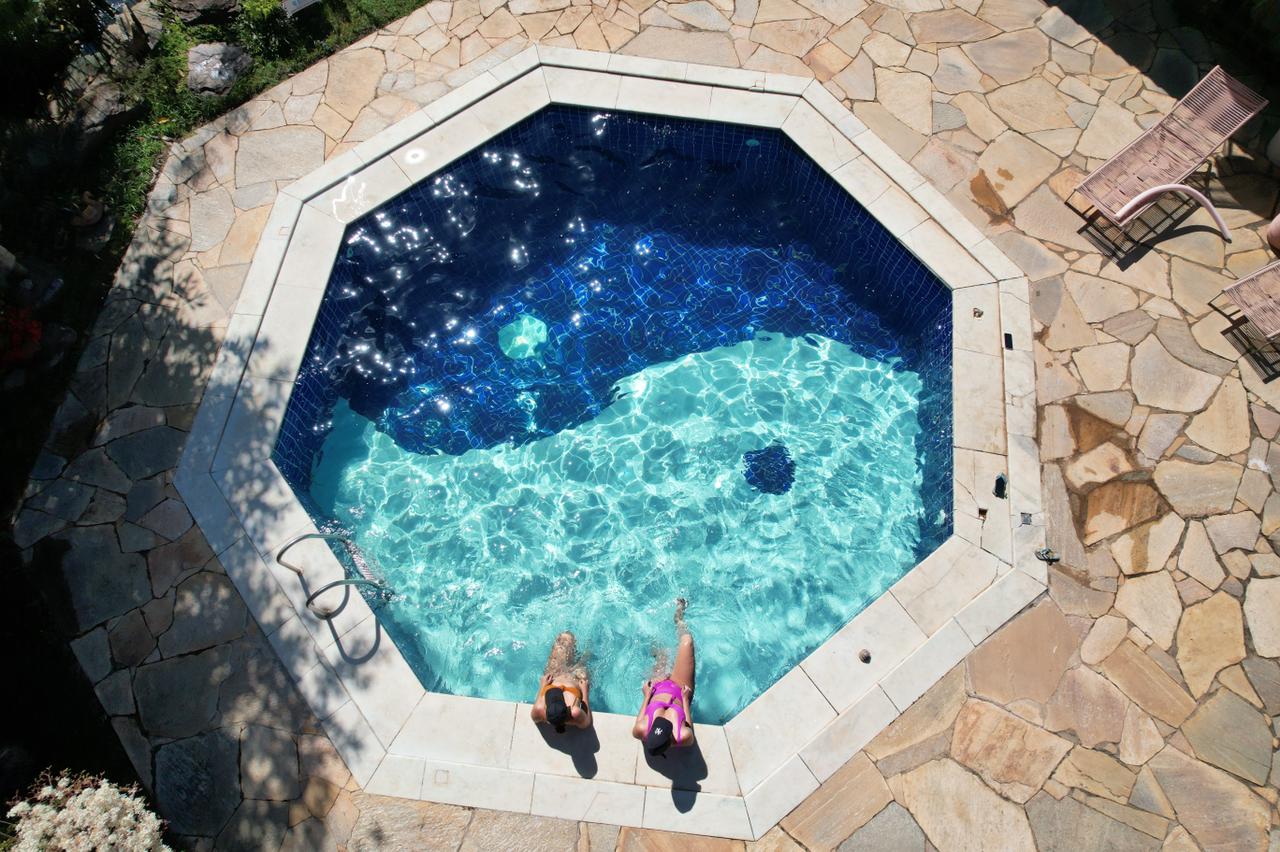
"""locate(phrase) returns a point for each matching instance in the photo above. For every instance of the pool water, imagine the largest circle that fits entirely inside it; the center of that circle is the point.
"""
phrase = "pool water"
(608, 360)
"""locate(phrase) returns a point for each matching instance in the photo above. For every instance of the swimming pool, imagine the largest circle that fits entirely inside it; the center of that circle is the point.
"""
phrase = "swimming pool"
(609, 359)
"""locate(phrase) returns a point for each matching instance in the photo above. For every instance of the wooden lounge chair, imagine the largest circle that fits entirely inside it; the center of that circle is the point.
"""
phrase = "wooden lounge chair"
(1160, 161)
(1254, 301)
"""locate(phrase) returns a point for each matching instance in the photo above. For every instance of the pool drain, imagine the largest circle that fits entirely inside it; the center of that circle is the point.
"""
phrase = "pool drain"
(770, 470)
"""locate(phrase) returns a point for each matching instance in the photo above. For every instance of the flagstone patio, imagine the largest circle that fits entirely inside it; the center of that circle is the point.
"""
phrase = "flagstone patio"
(1135, 706)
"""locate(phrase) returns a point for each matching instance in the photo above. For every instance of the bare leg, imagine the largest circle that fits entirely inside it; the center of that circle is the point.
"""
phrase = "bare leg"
(683, 671)
(661, 664)
(563, 652)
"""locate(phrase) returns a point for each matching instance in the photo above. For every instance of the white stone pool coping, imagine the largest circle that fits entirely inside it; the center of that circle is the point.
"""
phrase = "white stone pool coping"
(401, 740)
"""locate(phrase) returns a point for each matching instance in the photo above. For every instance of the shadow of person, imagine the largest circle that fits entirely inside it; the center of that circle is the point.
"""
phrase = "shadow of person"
(581, 746)
(685, 768)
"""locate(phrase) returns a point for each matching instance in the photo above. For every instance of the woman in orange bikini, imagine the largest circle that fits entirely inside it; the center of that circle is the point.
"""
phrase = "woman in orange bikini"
(562, 699)
(664, 720)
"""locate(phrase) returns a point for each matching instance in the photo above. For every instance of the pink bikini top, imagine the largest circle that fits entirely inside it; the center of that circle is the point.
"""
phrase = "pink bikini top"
(670, 689)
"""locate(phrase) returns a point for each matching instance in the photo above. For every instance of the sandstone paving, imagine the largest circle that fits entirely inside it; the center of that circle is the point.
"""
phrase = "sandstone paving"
(1156, 444)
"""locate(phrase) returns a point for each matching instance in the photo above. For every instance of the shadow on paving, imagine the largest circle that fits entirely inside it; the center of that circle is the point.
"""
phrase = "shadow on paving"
(213, 724)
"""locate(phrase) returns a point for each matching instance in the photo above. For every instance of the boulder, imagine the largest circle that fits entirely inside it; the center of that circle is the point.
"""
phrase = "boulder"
(193, 11)
(214, 67)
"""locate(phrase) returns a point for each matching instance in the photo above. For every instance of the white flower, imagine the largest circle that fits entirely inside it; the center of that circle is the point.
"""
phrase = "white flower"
(85, 813)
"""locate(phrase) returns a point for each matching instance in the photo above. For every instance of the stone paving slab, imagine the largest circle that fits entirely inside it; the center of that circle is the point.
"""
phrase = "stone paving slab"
(1105, 59)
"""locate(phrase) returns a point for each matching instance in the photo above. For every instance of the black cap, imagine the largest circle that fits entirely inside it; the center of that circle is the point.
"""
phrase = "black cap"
(658, 740)
(557, 710)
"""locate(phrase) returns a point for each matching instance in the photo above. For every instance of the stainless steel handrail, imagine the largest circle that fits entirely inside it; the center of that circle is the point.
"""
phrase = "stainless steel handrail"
(366, 577)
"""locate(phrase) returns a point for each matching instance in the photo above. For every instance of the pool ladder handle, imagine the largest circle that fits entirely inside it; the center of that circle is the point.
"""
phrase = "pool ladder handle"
(366, 577)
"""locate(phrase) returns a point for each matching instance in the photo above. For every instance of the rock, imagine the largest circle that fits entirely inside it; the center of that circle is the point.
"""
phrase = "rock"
(94, 468)
(1210, 638)
(1029, 255)
(131, 640)
(102, 581)
(1197, 558)
(1098, 298)
(1065, 825)
(1229, 733)
(254, 826)
(907, 96)
(1011, 755)
(214, 67)
(146, 453)
(1220, 812)
(1101, 464)
(62, 499)
(1131, 326)
(93, 653)
(179, 697)
(701, 15)
(1010, 57)
(268, 764)
(174, 562)
(170, 519)
(1162, 381)
(1148, 548)
(198, 782)
(1148, 795)
(101, 111)
(1237, 531)
(1262, 610)
(844, 803)
(494, 829)
(1223, 427)
(1111, 128)
(1264, 676)
(956, 73)
(952, 25)
(432, 826)
(283, 153)
(892, 828)
(1076, 596)
(1026, 658)
(207, 611)
(1061, 27)
(1140, 738)
(794, 38)
(711, 48)
(1030, 106)
(925, 726)
(1087, 703)
(1096, 773)
(1042, 215)
(956, 810)
(1117, 506)
(1140, 678)
(1105, 635)
(1151, 602)
(1182, 343)
(1015, 166)
(1196, 490)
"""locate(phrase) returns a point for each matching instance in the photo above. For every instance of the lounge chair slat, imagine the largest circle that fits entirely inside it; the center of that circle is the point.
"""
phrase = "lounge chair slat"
(1258, 297)
(1174, 147)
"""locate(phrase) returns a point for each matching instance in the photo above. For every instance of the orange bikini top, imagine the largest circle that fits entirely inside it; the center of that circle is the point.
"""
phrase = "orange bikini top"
(573, 690)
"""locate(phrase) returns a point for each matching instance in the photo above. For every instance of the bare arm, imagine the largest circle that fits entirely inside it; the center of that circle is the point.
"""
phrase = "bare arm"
(687, 737)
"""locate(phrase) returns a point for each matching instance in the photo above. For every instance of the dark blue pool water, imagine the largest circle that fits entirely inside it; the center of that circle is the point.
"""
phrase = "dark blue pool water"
(518, 297)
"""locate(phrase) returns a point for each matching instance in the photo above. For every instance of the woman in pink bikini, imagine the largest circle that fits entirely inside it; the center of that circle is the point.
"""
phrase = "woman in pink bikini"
(664, 720)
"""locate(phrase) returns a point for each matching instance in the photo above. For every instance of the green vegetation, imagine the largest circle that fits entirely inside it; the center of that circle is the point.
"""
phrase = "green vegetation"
(44, 182)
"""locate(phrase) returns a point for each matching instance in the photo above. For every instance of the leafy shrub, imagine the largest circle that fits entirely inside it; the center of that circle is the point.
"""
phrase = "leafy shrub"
(37, 40)
(84, 812)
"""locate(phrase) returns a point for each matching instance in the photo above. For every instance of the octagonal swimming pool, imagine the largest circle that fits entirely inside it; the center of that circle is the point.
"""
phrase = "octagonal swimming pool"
(609, 359)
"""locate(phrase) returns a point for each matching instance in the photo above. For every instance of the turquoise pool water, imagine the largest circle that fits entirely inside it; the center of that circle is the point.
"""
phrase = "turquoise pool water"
(598, 528)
